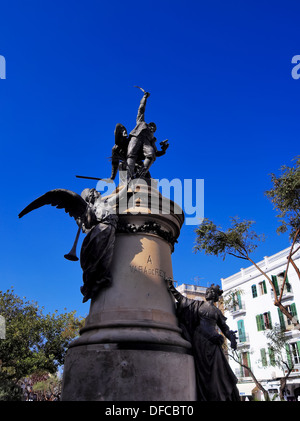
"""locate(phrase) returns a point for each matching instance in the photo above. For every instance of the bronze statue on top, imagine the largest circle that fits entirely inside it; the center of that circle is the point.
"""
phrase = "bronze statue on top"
(137, 152)
(198, 321)
(119, 151)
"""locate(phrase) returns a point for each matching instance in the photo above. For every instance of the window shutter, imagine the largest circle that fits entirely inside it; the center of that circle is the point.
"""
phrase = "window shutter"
(288, 354)
(281, 319)
(248, 360)
(264, 286)
(254, 291)
(293, 310)
(274, 280)
(258, 322)
(263, 357)
(262, 322)
(287, 284)
(233, 301)
(272, 356)
(241, 368)
(298, 346)
(241, 330)
(238, 294)
(270, 320)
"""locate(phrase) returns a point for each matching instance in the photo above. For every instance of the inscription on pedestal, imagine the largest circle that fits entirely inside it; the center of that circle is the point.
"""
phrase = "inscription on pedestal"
(148, 271)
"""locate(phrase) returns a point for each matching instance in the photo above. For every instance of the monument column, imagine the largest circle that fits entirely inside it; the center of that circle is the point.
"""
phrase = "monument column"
(131, 346)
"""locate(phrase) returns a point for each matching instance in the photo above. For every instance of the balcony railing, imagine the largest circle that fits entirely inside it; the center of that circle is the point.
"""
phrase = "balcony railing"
(287, 292)
(238, 308)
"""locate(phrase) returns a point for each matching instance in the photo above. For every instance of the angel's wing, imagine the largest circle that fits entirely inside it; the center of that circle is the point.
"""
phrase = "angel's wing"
(72, 202)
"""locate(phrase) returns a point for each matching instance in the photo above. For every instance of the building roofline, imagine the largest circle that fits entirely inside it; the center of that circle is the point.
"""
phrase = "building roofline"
(192, 288)
(268, 264)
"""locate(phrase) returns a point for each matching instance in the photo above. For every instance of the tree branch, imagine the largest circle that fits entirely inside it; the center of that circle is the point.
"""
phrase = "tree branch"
(288, 263)
(260, 387)
(295, 251)
(296, 268)
(239, 257)
(267, 277)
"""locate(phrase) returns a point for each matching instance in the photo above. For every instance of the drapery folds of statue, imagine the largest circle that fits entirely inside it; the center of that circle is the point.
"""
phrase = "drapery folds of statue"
(198, 320)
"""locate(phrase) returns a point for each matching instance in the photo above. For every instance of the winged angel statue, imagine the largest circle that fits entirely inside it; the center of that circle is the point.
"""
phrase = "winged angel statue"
(97, 218)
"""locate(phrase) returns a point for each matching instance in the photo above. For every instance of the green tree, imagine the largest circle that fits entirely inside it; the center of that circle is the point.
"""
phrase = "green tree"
(240, 240)
(280, 354)
(33, 341)
(285, 196)
(48, 388)
(236, 356)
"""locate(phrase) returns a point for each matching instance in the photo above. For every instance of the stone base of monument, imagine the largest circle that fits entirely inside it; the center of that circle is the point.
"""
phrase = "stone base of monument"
(131, 347)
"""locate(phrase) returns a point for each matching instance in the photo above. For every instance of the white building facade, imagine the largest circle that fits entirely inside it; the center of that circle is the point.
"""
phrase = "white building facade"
(254, 314)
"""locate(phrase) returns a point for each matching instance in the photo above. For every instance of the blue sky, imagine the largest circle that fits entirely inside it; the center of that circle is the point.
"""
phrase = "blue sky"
(219, 74)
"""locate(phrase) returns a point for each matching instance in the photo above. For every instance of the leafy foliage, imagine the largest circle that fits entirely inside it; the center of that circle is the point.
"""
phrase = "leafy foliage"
(33, 341)
(239, 240)
(231, 300)
(277, 340)
(285, 196)
(278, 344)
(47, 387)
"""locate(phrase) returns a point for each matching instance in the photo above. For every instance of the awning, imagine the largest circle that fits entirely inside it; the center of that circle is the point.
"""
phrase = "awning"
(246, 389)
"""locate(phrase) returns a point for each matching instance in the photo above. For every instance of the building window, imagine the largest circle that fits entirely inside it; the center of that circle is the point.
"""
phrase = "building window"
(267, 320)
(275, 283)
(278, 282)
(263, 321)
(281, 319)
(260, 322)
(262, 288)
(254, 291)
(263, 357)
(245, 361)
(241, 331)
(272, 356)
(239, 300)
(289, 356)
(295, 351)
(285, 321)
(293, 310)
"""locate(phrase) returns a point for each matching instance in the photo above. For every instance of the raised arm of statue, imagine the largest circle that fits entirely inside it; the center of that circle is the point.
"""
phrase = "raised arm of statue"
(141, 111)
(184, 301)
